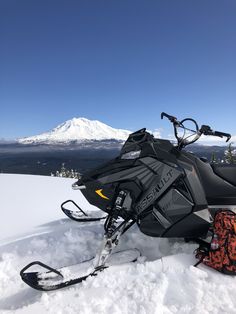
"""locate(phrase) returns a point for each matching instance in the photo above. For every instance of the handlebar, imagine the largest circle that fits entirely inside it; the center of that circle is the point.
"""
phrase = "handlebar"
(205, 129)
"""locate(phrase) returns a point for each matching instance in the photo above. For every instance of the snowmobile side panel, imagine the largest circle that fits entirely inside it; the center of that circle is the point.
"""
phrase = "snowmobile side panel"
(194, 186)
(175, 205)
(164, 178)
(166, 212)
(186, 226)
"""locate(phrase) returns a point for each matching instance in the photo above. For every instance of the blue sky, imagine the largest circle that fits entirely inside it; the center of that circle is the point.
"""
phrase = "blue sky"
(118, 61)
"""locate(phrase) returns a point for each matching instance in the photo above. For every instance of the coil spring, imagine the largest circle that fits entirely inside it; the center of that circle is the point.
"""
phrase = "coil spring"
(111, 222)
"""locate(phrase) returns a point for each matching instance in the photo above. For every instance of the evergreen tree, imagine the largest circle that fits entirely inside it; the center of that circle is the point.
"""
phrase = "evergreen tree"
(66, 173)
(230, 156)
(213, 158)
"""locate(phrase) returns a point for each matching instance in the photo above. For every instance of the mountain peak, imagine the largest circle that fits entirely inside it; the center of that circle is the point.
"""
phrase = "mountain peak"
(78, 129)
(80, 119)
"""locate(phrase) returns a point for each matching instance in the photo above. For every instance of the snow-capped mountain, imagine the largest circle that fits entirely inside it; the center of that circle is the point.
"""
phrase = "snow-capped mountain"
(78, 129)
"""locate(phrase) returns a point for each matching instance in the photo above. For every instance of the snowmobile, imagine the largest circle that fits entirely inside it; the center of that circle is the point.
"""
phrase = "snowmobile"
(164, 189)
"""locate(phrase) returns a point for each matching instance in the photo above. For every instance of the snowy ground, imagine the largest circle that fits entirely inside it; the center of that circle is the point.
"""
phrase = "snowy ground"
(32, 227)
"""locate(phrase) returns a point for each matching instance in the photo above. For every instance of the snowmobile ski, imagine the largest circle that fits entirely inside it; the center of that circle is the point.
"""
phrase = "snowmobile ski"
(54, 279)
(78, 214)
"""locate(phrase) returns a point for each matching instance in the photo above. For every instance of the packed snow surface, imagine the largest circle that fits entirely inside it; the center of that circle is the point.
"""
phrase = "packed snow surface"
(162, 281)
(78, 129)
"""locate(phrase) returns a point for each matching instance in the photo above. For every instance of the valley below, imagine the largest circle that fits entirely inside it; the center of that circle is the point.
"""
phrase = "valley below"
(47, 159)
(43, 159)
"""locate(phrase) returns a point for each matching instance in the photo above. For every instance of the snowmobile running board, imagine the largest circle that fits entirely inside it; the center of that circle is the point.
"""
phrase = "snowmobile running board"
(53, 279)
(78, 214)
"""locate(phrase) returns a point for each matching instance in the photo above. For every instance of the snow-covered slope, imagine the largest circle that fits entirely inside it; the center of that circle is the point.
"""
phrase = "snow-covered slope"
(162, 281)
(28, 201)
(78, 129)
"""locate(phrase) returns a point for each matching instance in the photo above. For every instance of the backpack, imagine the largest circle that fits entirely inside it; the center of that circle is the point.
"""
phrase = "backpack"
(220, 253)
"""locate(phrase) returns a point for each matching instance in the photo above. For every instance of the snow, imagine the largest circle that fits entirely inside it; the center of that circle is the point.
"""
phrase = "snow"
(162, 281)
(78, 129)
(29, 201)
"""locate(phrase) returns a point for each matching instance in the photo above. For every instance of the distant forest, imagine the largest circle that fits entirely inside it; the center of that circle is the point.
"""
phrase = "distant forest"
(45, 160)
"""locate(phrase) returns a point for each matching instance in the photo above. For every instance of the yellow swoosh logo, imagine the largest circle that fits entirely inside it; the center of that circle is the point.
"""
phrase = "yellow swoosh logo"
(99, 192)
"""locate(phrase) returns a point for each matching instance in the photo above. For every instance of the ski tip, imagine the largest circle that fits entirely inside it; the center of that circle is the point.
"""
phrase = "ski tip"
(31, 280)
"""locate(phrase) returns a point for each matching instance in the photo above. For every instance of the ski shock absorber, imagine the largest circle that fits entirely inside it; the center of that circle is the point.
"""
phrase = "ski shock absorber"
(110, 225)
(120, 200)
(113, 231)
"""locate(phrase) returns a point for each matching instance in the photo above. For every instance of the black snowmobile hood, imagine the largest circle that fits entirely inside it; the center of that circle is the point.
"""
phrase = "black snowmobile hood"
(133, 169)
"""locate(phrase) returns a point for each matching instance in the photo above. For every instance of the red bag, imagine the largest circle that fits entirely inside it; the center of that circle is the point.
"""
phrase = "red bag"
(221, 253)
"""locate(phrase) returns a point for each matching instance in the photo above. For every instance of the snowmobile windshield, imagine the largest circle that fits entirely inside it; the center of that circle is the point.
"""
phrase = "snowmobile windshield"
(133, 146)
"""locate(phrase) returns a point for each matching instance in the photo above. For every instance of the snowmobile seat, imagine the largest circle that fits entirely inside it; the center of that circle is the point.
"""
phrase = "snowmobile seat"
(226, 172)
(217, 190)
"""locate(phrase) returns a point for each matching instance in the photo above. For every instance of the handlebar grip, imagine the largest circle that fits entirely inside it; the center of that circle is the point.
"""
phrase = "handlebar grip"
(222, 134)
(171, 118)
